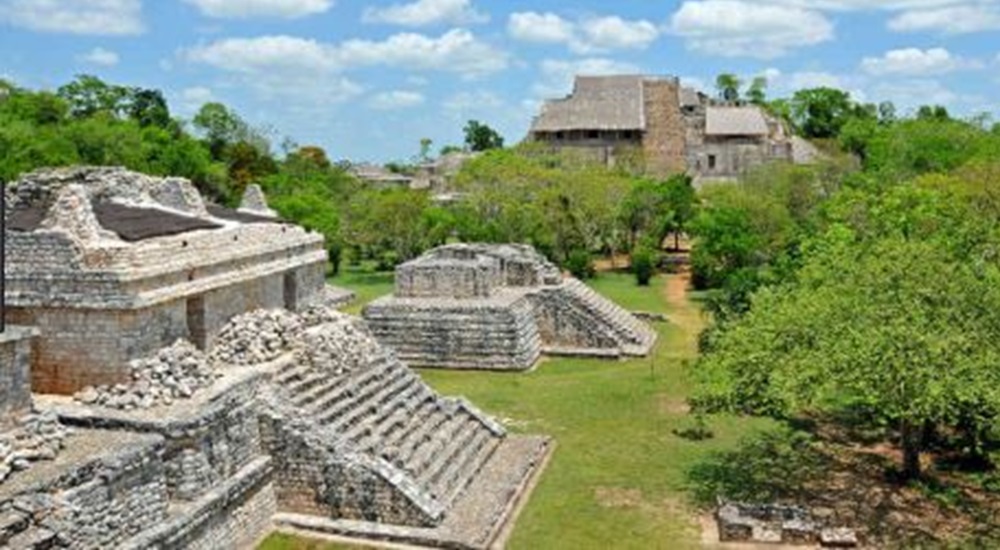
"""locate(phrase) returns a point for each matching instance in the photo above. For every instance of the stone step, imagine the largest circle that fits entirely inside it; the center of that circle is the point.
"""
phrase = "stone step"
(422, 438)
(395, 412)
(451, 455)
(331, 412)
(356, 424)
(308, 381)
(423, 413)
(459, 474)
(425, 454)
(346, 391)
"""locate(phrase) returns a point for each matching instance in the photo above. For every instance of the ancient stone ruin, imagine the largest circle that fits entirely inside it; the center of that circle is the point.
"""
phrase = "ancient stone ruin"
(779, 524)
(478, 306)
(181, 379)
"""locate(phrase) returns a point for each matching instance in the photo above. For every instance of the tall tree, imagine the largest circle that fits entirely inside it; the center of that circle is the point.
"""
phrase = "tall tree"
(89, 95)
(757, 92)
(821, 112)
(480, 137)
(728, 86)
(898, 328)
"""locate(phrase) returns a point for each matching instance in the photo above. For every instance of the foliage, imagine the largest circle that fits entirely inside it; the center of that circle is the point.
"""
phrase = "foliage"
(653, 209)
(821, 112)
(480, 137)
(769, 467)
(580, 264)
(898, 327)
(728, 86)
(643, 265)
(757, 91)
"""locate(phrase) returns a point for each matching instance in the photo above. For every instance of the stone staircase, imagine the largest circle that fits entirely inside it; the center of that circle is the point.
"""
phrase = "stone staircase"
(384, 412)
(634, 336)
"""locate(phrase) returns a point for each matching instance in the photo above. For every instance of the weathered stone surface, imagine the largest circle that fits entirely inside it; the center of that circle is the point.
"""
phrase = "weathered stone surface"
(255, 202)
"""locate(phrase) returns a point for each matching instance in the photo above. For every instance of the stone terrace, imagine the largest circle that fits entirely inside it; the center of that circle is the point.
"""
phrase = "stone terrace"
(498, 307)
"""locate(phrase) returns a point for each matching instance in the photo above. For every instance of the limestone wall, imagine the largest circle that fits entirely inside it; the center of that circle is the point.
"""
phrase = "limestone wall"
(497, 334)
(664, 139)
(15, 373)
(77, 348)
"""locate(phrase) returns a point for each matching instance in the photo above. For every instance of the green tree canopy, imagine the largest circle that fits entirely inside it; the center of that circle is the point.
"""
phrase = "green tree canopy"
(480, 137)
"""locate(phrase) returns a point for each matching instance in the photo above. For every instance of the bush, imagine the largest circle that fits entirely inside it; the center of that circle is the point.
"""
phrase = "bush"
(643, 265)
(580, 264)
(335, 252)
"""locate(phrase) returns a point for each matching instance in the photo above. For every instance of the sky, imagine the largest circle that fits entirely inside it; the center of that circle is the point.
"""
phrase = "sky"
(368, 80)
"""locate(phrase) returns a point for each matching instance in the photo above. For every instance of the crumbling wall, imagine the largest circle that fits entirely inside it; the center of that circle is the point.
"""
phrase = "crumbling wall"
(664, 140)
(15, 373)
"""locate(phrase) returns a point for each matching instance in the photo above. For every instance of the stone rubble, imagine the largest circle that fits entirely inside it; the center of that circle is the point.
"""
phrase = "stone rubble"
(37, 436)
(175, 372)
(256, 337)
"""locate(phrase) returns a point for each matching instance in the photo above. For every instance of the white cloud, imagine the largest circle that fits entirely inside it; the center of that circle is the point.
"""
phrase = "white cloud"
(911, 93)
(91, 17)
(456, 51)
(916, 62)
(615, 33)
(100, 56)
(949, 20)
(395, 99)
(557, 76)
(540, 27)
(854, 5)
(191, 99)
(736, 28)
(241, 9)
(588, 35)
(465, 102)
(426, 12)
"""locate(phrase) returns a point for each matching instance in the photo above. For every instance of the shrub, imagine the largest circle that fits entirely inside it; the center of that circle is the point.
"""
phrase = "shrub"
(580, 264)
(643, 265)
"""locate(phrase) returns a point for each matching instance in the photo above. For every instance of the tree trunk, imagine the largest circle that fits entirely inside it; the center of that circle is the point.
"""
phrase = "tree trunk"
(911, 440)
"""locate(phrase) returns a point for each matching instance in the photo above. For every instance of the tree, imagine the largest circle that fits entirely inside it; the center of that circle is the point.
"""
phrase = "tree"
(821, 112)
(899, 328)
(757, 92)
(425, 149)
(149, 108)
(89, 95)
(480, 137)
(728, 86)
(315, 155)
(933, 112)
(220, 126)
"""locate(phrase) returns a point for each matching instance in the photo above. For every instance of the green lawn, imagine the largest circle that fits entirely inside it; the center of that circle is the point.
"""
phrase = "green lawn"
(617, 478)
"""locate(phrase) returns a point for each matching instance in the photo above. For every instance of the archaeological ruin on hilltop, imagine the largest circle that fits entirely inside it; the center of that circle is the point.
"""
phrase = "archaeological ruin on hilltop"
(499, 307)
(677, 128)
(178, 377)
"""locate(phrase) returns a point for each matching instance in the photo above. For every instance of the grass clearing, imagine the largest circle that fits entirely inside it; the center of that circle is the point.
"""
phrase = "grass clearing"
(618, 475)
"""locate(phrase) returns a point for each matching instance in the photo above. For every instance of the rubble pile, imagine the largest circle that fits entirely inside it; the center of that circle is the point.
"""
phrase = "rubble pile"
(37, 436)
(256, 337)
(175, 372)
(335, 343)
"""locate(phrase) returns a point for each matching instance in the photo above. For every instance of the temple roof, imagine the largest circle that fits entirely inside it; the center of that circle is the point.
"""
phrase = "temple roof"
(597, 103)
(735, 121)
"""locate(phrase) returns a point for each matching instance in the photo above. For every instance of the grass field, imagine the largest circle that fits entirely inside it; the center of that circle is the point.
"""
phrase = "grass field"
(617, 478)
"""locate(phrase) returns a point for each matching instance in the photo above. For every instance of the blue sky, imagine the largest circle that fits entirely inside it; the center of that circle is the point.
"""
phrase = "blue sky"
(367, 80)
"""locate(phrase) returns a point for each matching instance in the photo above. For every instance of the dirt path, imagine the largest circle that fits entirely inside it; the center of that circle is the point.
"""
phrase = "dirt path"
(683, 312)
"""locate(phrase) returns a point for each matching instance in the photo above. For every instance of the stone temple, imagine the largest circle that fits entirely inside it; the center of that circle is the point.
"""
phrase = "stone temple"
(498, 307)
(178, 377)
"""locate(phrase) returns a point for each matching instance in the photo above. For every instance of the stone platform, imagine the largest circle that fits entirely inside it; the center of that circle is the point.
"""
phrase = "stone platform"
(498, 307)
